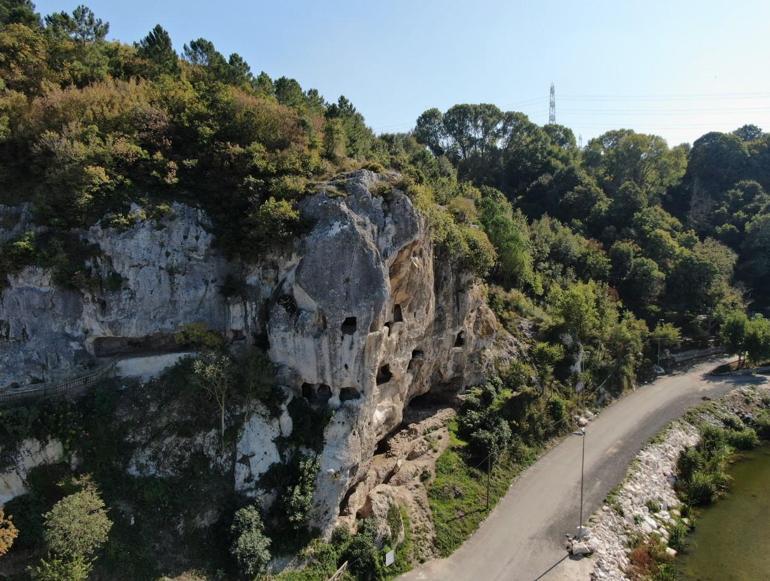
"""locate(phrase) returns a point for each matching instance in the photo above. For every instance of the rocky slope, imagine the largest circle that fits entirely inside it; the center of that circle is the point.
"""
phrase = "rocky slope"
(358, 314)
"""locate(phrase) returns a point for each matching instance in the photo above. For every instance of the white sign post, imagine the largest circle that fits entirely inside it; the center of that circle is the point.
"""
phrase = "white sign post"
(390, 558)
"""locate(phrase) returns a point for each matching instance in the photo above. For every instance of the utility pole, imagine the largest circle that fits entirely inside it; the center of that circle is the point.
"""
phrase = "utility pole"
(552, 105)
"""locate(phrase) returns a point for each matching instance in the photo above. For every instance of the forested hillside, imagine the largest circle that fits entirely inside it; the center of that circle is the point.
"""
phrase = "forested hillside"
(597, 259)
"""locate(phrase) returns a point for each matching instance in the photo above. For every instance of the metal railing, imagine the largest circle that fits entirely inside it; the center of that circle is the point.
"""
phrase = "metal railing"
(53, 388)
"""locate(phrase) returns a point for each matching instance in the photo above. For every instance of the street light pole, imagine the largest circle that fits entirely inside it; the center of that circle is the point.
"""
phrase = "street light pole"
(582, 473)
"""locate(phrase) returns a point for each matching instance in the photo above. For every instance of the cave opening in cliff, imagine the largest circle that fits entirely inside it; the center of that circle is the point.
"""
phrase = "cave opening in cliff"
(397, 314)
(288, 303)
(349, 326)
(460, 340)
(324, 393)
(430, 401)
(417, 357)
(384, 374)
(349, 393)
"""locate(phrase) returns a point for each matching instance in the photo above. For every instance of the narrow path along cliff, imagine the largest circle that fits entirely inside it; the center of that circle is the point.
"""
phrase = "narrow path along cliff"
(523, 538)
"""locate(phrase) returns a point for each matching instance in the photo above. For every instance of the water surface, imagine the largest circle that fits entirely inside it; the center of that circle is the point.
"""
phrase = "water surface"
(731, 541)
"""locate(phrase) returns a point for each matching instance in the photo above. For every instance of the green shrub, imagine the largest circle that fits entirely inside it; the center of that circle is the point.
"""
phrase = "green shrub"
(701, 488)
(557, 410)
(275, 221)
(745, 439)
(678, 536)
(77, 525)
(61, 569)
(199, 336)
(251, 548)
(762, 425)
(364, 558)
(298, 499)
(653, 505)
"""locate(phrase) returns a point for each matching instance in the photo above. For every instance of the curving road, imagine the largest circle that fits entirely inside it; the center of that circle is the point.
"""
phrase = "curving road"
(523, 537)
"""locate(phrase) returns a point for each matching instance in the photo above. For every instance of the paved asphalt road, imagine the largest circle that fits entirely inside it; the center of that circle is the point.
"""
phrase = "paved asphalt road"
(523, 538)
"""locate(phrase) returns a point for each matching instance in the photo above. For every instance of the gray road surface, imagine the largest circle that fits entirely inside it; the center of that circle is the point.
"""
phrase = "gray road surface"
(523, 538)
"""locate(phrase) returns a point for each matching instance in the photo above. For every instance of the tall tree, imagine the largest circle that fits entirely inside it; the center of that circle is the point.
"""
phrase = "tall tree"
(81, 26)
(213, 373)
(157, 48)
(19, 12)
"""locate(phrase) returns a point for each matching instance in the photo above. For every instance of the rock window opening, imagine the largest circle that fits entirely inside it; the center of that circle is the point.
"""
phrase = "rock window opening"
(460, 340)
(349, 393)
(417, 357)
(324, 393)
(397, 314)
(308, 391)
(384, 375)
(288, 303)
(349, 326)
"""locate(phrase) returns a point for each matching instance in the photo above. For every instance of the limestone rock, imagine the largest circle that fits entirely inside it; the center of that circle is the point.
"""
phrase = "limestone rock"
(360, 315)
(31, 454)
(255, 451)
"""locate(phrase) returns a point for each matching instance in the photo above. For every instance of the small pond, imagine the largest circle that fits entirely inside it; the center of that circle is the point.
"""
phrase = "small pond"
(731, 540)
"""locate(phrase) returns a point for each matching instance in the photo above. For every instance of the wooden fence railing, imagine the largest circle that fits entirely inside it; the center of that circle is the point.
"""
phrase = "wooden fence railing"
(339, 573)
(52, 388)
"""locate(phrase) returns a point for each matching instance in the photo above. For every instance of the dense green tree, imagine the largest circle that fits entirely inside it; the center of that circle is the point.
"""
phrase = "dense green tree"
(202, 52)
(77, 525)
(238, 72)
(298, 498)
(357, 136)
(509, 234)
(756, 251)
(758, 339)
(81, 26)
(733, 333)
(250, 546)
(75, 529)
(429, 130)
(289, 92)
(622, 156)
(58, 569)
(644, 284)
(19, 12)
(700, 279)
(748, 133)
(157, 48)
(717, 161)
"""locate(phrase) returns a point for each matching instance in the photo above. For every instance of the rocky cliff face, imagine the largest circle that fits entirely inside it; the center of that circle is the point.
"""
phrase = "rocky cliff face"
(359, 315)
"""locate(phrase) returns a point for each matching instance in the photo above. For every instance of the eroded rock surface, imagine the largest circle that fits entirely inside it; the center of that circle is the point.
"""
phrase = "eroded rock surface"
(359, 315)
(31, 454)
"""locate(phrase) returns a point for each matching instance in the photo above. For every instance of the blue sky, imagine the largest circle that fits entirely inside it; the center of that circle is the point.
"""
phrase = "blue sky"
(677, 68)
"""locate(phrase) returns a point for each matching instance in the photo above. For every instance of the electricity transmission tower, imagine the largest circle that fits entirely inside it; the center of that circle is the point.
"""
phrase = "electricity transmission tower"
(552, 105)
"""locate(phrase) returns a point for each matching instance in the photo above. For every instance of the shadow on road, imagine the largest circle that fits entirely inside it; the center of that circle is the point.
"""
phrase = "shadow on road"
(551, 568)
(735, 379)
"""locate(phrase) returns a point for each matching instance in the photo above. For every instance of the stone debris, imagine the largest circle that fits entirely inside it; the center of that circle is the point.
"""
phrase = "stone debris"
(650, 484)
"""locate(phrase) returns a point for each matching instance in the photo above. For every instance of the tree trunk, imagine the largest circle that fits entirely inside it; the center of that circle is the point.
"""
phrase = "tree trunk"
(222, 423)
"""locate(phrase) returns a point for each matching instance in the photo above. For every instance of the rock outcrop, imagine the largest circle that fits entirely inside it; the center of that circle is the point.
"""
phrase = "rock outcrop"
(359, 316)
(30, 454)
